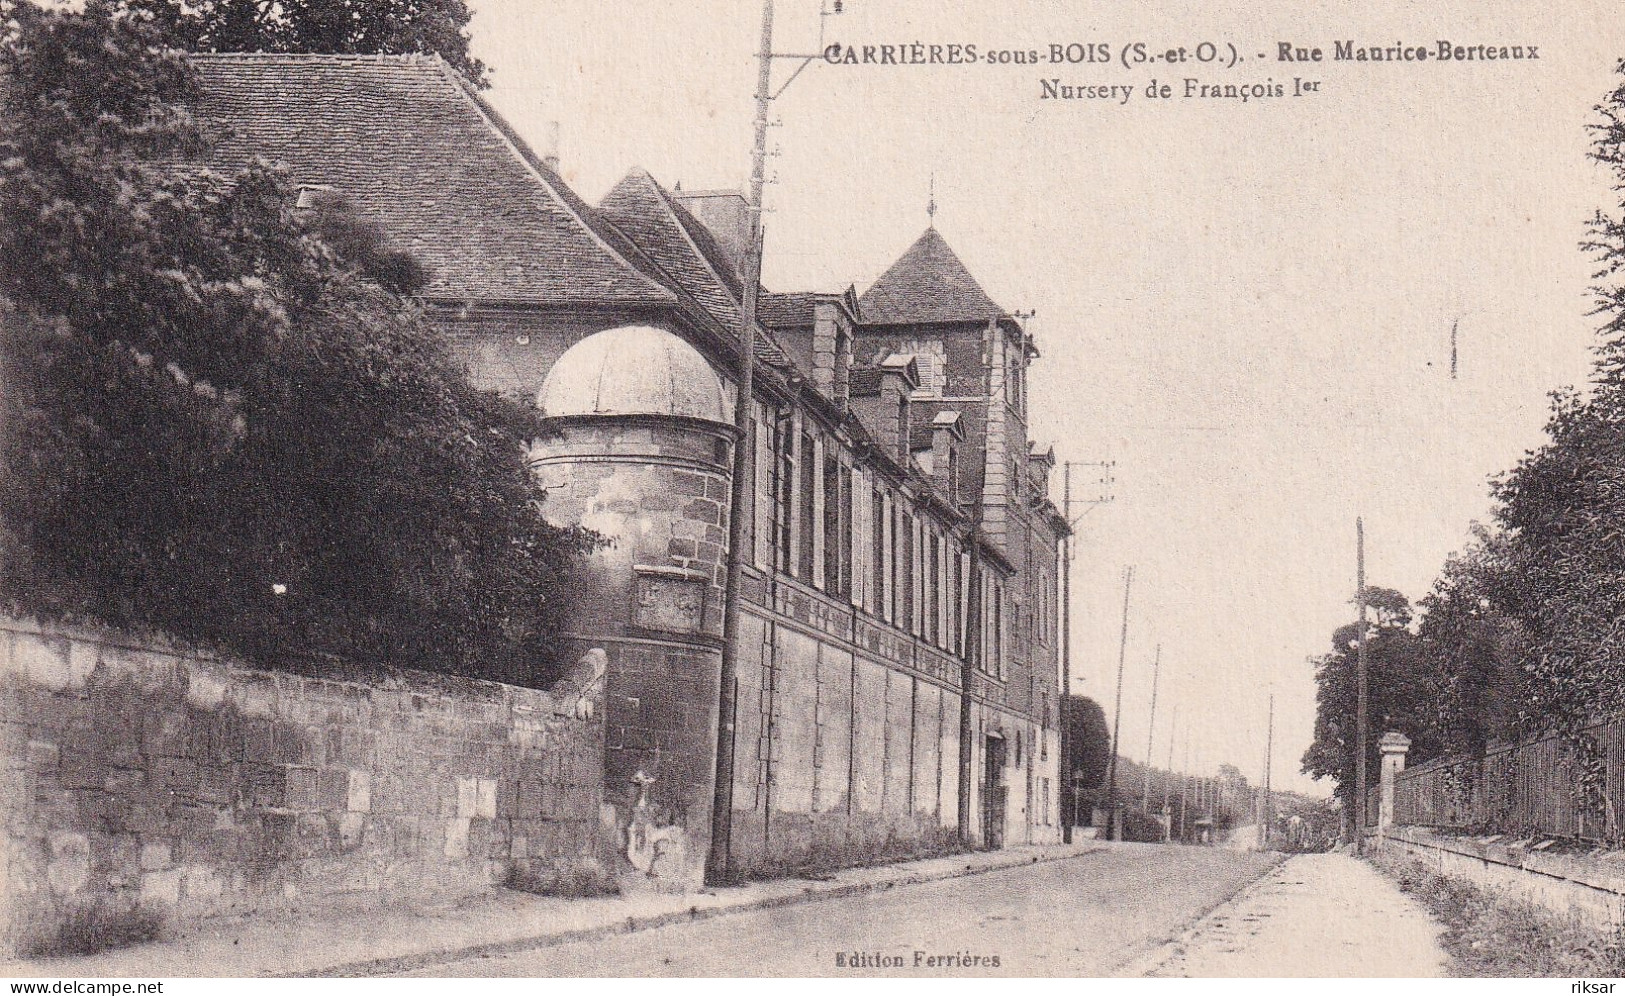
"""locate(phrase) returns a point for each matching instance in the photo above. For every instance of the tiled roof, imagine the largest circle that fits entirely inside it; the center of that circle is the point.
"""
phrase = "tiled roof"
(928, 283)
(408, 142)
(684, 252)
(642, 211)
(788, 310)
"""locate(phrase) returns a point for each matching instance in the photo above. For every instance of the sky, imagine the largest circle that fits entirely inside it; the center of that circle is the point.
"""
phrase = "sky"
(1246, 307)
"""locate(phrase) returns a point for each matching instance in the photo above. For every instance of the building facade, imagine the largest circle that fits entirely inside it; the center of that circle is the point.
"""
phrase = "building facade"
(901, 582)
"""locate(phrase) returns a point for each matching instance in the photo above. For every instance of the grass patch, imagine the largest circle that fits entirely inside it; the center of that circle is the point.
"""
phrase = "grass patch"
(97, 928)
(1489, 934)
(586, 880)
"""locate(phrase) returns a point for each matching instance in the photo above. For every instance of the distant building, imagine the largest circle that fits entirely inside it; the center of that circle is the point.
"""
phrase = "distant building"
(892, 462)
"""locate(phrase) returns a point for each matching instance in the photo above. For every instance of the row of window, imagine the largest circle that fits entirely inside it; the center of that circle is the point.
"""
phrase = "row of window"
(846, 531)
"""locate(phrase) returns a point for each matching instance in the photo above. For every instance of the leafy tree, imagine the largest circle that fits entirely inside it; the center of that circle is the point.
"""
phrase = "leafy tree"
(1401, 684)
(1561, 552)
(222, 419)
(1478, 648)
(1089, 740)
(1232, 781)
(369, 27)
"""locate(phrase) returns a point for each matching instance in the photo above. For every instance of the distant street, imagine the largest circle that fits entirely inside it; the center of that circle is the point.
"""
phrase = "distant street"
(1084, 916)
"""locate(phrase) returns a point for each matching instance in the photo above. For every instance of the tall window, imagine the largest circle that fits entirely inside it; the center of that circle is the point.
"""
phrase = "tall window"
(837, 541)
(933, 600)
(844, 541)
(905, 570)
(879, 589)
(995, 628)
(784, 489)
(957, 623)
(762, 486)
(804, 565)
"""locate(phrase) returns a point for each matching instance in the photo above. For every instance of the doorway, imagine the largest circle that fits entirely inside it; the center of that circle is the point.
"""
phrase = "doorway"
(993, 793)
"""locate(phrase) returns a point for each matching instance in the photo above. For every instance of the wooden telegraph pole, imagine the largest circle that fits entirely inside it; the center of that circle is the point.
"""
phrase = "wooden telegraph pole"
(1185, 786)
(1269, 754)
(1069, 799)
(1360, 692)
(1167, 781)
(1069, 782)
(1113, 831)
(741, 521)
(741, 530)
(1151, 731)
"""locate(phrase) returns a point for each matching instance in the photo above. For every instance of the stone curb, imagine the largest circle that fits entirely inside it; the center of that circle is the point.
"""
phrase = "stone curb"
(694, 914)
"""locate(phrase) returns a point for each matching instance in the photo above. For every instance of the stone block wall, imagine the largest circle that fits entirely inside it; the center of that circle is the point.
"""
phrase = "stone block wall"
(138, 774)
(1589, 886)
(839, 758)
(847, 744)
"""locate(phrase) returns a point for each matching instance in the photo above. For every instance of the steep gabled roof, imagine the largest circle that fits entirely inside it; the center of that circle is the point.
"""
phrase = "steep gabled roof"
(644, 213)
(683, 251)
(928, 283)
(413, 147)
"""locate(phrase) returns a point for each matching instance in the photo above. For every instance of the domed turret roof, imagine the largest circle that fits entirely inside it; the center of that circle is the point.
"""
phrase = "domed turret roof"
(633, 370)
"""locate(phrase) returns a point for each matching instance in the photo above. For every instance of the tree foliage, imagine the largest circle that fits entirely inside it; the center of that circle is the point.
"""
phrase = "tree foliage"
(222, 419)
(1089, 740)
(1401, 683)
(1554, 568)
(343, 27)
(1478, 648)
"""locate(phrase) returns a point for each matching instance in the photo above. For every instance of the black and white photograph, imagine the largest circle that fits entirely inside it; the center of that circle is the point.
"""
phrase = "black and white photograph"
(856, 489)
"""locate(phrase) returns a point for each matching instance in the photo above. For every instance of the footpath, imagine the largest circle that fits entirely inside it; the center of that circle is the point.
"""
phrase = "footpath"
(369, 941)
(1314, 916)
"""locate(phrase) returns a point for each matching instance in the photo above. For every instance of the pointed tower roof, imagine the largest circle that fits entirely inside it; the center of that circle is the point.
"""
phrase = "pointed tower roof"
(928, 283)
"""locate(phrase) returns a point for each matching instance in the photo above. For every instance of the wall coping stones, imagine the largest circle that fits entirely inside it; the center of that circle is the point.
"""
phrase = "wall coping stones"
(1583, 869)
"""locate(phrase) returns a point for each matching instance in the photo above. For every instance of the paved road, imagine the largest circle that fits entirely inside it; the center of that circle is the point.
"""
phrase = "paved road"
(1316, 916)
(1084, 916)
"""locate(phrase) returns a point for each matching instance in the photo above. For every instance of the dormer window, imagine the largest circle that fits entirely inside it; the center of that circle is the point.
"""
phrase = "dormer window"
(311, 194)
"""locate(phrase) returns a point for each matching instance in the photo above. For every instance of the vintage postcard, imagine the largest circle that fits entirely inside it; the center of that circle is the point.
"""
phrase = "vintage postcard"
(811, 488)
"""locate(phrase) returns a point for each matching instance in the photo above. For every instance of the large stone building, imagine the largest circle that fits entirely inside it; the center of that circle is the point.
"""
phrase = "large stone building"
(892, 460)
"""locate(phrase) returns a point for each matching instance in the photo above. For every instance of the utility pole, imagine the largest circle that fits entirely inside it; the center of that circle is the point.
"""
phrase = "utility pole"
(719, 862)
(1184, 786)
(1151, 733)
(1069, 802)
(1360, 692)
(1167, 781)
(741, 520)
(1113, 830)
(1269, 757)
(1069, 786)
(974, 641)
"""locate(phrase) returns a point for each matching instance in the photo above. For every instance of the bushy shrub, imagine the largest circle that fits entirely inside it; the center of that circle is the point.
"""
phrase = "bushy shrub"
(222, 419)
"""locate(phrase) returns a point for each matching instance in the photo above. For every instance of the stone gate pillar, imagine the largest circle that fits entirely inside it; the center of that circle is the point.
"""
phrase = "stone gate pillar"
(1394, 746)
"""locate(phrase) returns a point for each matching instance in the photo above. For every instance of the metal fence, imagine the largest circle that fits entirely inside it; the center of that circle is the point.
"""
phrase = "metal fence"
(1532, 787)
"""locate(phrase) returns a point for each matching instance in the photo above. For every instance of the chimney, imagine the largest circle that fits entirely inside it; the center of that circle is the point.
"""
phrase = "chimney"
(726, 214)
(550, 147)
(899, 378)
(1039, 464)
(947, 432)
(832, 351)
